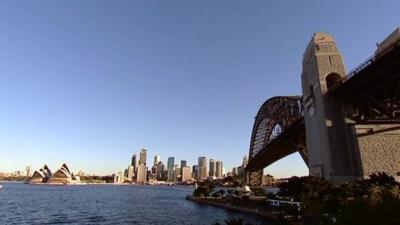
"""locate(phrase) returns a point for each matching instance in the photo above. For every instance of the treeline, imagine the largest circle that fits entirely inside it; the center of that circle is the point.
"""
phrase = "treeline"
(371, 201)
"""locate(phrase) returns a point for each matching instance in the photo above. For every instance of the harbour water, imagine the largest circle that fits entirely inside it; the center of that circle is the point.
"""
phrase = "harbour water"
(107, 204)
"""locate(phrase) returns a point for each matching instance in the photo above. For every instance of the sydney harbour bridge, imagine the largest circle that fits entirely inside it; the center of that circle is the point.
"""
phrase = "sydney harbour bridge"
(345, 125)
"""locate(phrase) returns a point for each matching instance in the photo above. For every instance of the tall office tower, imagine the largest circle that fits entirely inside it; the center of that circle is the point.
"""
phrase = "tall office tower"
(195, 171)
(177, 172)
(219, 170)
(141, 175)
(186, 174)
(212, 172)
(183, 163)
(131, 173)
(157, 159)
(245, 160)
(203, 168)
(160, 171)
(143, 156)
(170, 169)
(234, 171)
(134, 160)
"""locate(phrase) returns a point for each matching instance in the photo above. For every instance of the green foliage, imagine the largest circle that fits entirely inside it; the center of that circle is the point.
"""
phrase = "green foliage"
(203, 190)
(375, 200)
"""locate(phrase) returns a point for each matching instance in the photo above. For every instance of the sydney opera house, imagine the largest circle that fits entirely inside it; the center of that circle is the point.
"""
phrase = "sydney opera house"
(62, 176)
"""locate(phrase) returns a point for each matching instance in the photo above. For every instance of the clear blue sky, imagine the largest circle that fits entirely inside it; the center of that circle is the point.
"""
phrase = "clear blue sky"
(90, 82)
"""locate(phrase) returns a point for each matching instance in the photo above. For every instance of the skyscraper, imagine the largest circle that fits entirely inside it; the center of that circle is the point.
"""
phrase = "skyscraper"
(183, 163)
(134, 160)
(131, 173)
(157, 159)
(219, 170)
(177, 172)
(212, 172)
(195, 171)
(141, 173)
(170, 169)
(143, 156)
(203, 168)
(160, 171)
(186, 174)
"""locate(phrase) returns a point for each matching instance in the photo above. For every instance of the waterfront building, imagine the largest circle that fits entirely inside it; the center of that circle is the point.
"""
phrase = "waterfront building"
(119, 177)
(170, 169)
(160, 171)
(203, 168)
(177, 172)
(134, 161)
(131, 173)
(212, 172)
(157, 159)
(218, 169)
(41, 176)
(61, 176)
(141, 175)
(183, 163)
(143, 156)
(195, 171)
(186, 174)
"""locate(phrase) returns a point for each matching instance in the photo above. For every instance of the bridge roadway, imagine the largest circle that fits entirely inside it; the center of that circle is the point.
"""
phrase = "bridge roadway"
(372, 93)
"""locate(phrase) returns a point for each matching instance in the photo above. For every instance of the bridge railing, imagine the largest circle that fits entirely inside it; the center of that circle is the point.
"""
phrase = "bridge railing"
(360, 67)
(379, 53)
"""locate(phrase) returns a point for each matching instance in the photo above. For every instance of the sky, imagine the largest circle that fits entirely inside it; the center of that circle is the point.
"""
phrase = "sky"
(91, 82)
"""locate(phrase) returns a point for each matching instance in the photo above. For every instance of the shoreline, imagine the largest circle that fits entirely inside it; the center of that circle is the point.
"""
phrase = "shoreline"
(270, 215)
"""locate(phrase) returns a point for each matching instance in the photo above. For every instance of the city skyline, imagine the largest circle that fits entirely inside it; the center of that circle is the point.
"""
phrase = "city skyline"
(167, 76)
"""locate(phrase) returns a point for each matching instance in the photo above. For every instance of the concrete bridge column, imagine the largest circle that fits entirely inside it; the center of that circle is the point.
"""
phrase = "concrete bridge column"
(331, 139)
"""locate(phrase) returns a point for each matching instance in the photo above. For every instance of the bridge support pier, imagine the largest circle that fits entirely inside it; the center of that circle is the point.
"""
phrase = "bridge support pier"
(331, 139)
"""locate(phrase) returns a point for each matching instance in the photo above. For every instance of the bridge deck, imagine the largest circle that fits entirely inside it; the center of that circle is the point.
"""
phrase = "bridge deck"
(382, 69)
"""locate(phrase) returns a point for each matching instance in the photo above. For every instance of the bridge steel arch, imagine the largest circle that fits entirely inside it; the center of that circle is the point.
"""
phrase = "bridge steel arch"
(277, 117)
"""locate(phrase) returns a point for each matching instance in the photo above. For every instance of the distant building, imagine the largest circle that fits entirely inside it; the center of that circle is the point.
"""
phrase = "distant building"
(245, 161)
(119, 177)
(183, 163)
(203, 168)
(61, 176)
(134, 161)
(143, 156)
(157, 159)
(141, 175)
(41, 176)
(170, 169)
(131, 173)
(160, 171)
(28, 171)
(234, 171)
(186, 174)
(213, 172)
(177, 172)
(195, 171)
(240, 170)
(219, 169)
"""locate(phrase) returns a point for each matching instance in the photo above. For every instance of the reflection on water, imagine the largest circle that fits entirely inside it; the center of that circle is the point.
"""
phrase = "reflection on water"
(106, 204)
